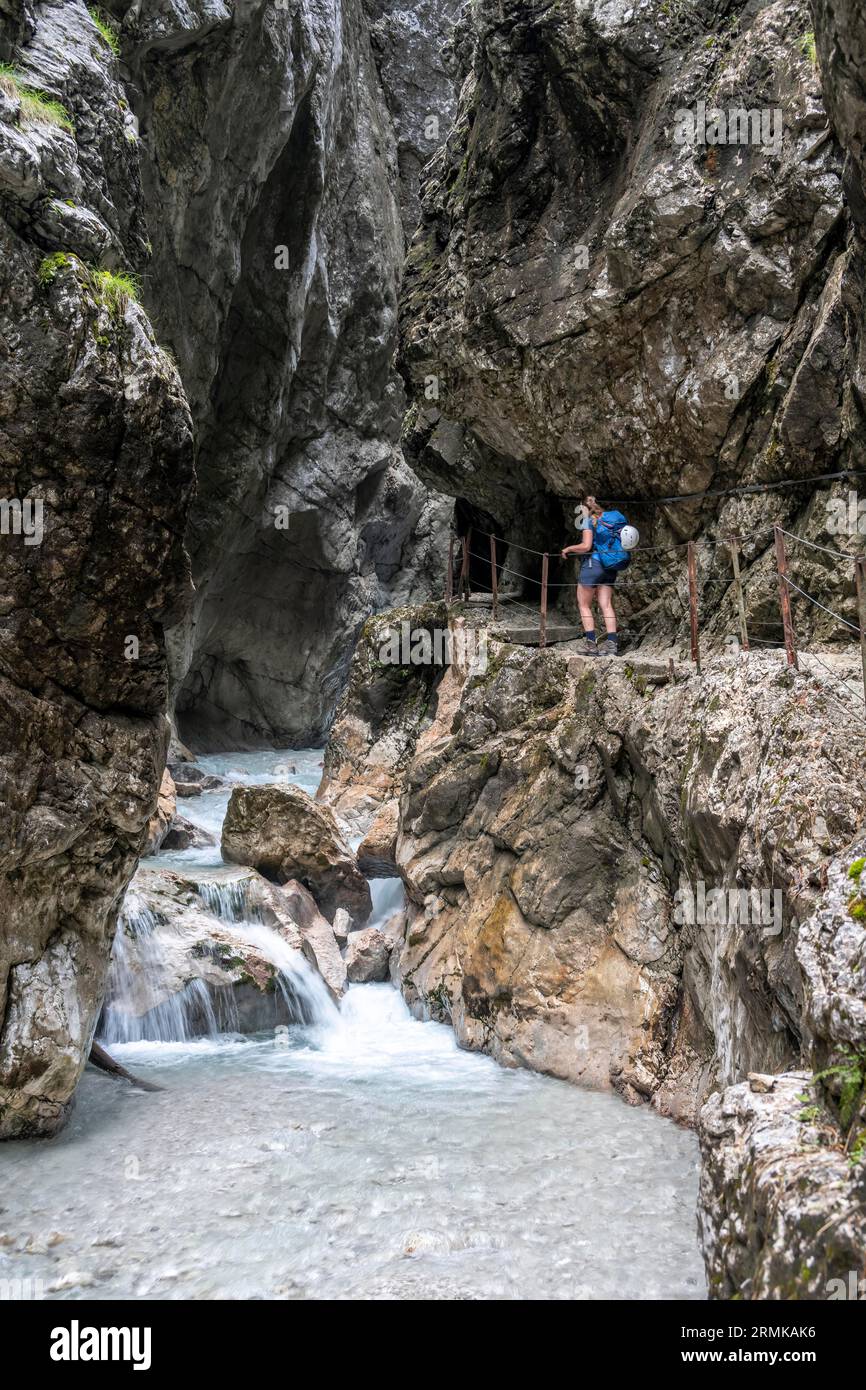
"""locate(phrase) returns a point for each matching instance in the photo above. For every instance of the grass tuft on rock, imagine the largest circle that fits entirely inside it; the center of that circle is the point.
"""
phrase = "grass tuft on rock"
(107, 29)
(116, 289)
(36, 107)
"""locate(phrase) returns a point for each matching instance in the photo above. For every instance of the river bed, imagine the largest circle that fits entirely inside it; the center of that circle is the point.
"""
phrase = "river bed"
(364, 1155)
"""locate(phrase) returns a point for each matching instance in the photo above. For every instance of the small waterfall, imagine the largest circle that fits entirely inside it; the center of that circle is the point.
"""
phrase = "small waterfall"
(388, 896)
(145, 1001)
(229, 899)
(138, 1008)
(304, 992)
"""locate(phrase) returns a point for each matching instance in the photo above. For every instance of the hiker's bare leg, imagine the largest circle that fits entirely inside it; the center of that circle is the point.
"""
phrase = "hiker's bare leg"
(605, 603)
(585, 594)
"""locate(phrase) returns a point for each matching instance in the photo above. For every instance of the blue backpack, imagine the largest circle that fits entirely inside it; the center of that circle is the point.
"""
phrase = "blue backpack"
(608, 546)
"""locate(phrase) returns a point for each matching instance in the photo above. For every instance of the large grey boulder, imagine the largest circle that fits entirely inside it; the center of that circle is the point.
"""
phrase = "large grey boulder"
(284, 834)
(367, 954)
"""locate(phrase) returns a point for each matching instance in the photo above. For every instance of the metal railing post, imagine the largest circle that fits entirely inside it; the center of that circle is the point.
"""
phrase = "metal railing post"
(785, 599)
(738, 590)
(693, 604)
(542, 632)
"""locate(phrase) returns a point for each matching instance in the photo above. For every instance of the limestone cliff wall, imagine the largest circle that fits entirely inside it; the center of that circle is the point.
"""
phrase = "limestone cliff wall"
(274, 165)
(96, 430)
(644, 884)
(593, 304)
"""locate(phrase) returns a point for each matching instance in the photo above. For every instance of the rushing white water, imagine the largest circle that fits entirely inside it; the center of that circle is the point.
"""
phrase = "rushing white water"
(369, 1159)
(358, 1153)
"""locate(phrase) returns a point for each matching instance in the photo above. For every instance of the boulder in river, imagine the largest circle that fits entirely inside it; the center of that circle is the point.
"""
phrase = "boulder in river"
(295, 910)
(367, 955)
(185, 834)
(190, 780)
(285, 834)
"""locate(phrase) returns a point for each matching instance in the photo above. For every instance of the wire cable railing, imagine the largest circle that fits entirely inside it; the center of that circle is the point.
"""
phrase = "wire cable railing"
(749, 629)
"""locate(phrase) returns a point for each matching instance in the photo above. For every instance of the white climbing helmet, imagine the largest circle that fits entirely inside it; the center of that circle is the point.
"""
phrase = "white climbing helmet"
(629, 537)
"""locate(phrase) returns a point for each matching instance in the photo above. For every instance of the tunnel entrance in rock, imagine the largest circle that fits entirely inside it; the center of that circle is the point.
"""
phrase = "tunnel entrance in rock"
(535, 524)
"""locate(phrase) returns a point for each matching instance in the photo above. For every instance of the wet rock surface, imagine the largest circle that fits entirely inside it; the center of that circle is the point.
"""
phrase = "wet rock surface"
(367, 955)
(186, 963)
(608, 875)
(781, 1209)
(270, 151)
(97, 430)
(284, 834)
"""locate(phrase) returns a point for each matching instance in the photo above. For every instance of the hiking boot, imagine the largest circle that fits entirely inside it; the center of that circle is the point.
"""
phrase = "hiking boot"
(590, 646)
(608, 648)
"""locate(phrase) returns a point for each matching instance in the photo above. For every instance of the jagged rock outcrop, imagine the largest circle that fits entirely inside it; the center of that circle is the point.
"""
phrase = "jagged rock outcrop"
(782, 1210)
(270, 155)
(782, 1213)
(160, 822)
(607, 873)
(377, 852)
(412, 48)
(284, 834)
(595, 305)
(634, 882)
(94, 430)
(382, 709)
(783, 1180)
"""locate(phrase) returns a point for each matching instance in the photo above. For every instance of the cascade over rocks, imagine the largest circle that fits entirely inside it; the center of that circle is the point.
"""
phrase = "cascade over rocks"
(179, 956)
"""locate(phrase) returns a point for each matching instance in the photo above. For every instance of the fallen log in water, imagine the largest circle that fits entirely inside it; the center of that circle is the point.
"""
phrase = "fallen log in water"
(100, 1058)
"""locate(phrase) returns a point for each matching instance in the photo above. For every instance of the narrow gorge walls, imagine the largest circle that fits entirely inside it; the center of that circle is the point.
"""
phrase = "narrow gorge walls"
(96, 449)
(277, 165)
(203, 213)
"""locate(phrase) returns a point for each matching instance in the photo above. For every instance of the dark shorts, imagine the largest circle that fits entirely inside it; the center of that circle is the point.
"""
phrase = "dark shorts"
(593, 573)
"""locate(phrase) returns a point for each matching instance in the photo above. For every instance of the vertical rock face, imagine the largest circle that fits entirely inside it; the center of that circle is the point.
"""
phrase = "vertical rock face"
(607, 307)
(95, 475)
(278, 247)
(608, 873)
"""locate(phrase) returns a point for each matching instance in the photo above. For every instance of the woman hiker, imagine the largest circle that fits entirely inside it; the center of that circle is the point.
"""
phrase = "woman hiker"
(604, 557)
